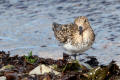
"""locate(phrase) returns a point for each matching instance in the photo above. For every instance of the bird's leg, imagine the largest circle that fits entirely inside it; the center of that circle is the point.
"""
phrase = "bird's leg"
(74, 55)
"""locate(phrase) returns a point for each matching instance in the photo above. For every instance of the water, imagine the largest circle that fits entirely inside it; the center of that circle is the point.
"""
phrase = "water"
(25, 25)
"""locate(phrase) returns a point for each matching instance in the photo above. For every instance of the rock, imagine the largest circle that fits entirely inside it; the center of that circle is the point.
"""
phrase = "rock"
(7, 67)
(2, 78)
(42, 69)
(11, 75)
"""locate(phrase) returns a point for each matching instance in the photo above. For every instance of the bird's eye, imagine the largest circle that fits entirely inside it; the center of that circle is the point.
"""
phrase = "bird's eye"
(85, 21)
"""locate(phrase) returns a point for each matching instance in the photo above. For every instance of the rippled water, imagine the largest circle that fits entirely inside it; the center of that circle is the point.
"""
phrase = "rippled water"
(25, 25)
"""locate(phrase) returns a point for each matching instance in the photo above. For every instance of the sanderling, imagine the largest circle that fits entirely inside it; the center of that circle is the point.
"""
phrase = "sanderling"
(76, 37)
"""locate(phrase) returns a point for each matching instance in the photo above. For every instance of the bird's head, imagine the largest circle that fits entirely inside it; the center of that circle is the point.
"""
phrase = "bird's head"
(82, 23)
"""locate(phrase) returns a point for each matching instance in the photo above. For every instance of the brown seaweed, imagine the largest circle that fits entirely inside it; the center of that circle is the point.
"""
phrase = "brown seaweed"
(17, 67)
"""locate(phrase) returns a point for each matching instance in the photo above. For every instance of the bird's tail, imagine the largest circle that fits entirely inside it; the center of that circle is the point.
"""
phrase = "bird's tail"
(56, 26)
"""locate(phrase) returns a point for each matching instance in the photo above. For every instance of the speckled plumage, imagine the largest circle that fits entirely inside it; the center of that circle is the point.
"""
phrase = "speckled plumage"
(76, 37)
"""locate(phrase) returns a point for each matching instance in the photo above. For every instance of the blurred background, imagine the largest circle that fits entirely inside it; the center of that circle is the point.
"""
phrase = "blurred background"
(26, 25)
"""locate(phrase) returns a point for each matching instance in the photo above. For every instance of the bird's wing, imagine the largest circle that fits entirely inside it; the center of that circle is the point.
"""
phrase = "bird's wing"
(62, 32)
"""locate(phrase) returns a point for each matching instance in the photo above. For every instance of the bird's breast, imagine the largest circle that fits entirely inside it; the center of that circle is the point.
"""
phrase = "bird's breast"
(79, 43)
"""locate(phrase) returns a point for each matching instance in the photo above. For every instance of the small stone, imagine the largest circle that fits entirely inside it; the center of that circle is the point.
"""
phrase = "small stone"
(42, 69)
(7, 67)
(2, 78)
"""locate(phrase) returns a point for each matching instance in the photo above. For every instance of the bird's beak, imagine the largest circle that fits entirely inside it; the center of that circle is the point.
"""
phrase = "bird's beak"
(80, 29)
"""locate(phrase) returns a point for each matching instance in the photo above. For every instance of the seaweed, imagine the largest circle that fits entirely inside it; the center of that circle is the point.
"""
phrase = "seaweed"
(30, 58)
(18, 68)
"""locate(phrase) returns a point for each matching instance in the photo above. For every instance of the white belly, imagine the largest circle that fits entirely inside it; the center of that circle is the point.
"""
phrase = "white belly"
(76, 49)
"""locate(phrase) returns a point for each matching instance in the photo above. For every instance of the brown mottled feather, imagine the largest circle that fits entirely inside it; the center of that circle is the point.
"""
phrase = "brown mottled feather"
(62, 32)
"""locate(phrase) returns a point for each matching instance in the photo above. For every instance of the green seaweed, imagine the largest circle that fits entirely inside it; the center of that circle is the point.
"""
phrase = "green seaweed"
(30, 58)
(8, 67)
(70, 66)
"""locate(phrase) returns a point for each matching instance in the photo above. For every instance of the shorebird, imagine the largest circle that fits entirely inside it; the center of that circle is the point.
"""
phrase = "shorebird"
(75, 37)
